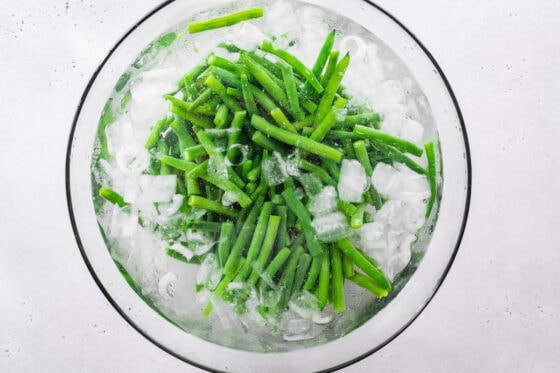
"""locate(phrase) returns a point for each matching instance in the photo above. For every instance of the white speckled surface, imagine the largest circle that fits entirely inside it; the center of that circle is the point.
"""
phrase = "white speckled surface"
(497, 311)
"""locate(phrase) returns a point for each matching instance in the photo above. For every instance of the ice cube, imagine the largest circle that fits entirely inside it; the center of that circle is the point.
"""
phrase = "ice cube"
(199, 242)
(386, 180)
(298, 330)
(305, 304)
(352, 182)
(147, 104)
(217, 168)
(178, 247)
(415, 187)
(396, 263)
(157, 188)
(229, 198)
(412, 131)
(209, 272)
(323, 202)
(354, 45)
(331, 227)
(166, 285)
(124, 222)
(132, 159)
(248, 36)
(274, 170)
(371, 237)
(292, 164)
(414, 216)
(389, 96)
(391, 213)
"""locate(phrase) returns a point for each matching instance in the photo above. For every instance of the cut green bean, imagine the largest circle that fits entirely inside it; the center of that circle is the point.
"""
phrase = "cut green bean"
(299, 141)
(268, 143)
(236, 126)
(432, 175)
(396, 155)
(267, 82)
(324, 279)
(291, 90)
(284, 290)
(320, 62)
(193, 152)
(112, 196)
(363, 157)
(228, 186)
(209, 205)
(225, 21)
(222, 286)
(330, 89)
(248, 95)
(224, 242)
(256, 241)
(301, 271)
(331, 66)
(348, 266)
(295, 63)
(243, 237)
(337, 280)
(266, 248)
(213, 83)
(368, 284)
(221, 118)
(177, 163)
(160, 126)
(370, 119)
(275, 265)
(388, 139)
(225, 64)
(299, 210)
(364, 264)
(357, 219)
(281, 120)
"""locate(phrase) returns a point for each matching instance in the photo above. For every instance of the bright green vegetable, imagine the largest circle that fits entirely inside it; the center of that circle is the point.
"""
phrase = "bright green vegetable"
(224, 21)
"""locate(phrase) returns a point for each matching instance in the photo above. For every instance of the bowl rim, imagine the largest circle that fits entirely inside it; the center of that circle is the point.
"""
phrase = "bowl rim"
(128, 319)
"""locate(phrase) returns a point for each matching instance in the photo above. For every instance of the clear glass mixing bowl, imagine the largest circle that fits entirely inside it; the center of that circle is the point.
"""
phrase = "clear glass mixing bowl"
(354, 337)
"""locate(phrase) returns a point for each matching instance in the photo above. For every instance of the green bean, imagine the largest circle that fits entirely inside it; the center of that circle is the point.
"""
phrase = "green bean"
(368, 118)
(234, 92)
(318, 171)
(229, 47)
(301, 271)
(209, 205)
(331, 88)
(262, 76)
(180, 110)
(185, 139)
(268, 143)
(243, 237)
(275, 265)
(388, 139)
(310, 106)
(324, 276)
(224, 242)
(306, 121)
(248, 95)
(281, 120)
(204, 97)
(348, 266)
(299, 141)
(256, 241)
(314, 271)
(177, 163)
(225, 64)
(284, 290)
(363, 158)
(193, 152)
(337, 280)
(357, 219)
(112, 196)
(236, 124)
(224, 21)
(266, 248)
(295, 63)
(368, 284)
(299, 210)
(291, 90)
(397, 156)
(228, 186)
(221, 118)
(362, 262)
(282, 211)
(328, 122)
(158, 128)
(222, 286)
(432, 175)
(331, 66)
(213, 83)
(320, 62)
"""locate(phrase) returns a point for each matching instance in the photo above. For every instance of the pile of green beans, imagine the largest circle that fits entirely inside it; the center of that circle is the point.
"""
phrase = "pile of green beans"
(227, 118)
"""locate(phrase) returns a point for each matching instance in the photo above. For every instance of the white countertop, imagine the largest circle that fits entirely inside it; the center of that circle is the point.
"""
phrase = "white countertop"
(498, 309)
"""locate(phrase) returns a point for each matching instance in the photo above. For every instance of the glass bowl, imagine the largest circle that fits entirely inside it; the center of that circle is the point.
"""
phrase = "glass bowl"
(354, 335)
